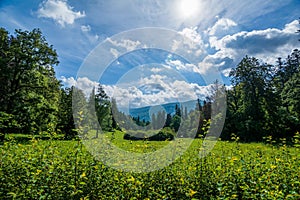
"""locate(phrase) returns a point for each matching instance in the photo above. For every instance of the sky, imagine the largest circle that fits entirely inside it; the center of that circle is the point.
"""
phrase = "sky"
(156, 51)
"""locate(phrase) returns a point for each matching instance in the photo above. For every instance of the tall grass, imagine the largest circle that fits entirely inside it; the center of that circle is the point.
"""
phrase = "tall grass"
(57, 169)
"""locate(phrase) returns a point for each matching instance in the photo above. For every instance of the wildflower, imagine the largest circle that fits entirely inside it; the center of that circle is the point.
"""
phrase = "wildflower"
(83, 175)
(131, 179)
(192, 192)
(38, 172)
(273, 166)
(234, 158)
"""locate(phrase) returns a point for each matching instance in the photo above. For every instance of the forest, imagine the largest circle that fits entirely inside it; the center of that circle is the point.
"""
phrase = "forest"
(263, 100)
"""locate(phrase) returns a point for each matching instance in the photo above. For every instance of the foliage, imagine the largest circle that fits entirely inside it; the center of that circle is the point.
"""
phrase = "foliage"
(66, 123)
(151, 135)
(264, 99)
(291, 96)
(29, 89)
(55, 169)
(103, 108)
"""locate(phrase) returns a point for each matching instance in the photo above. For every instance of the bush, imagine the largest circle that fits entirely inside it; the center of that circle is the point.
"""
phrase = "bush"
(164, 134)
(135, 136)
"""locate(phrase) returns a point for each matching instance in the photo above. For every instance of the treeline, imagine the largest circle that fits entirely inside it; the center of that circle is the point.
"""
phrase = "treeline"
(33, 100)
(264, 99)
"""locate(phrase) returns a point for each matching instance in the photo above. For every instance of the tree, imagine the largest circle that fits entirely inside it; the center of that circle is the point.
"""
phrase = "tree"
(114, 114)
(177, 110)
(80, 111)
(291, 99)
(176, 121)
(168, 120)
(251, 80)
(29, 89)
(206, 110)
(102, 107)
(66, 124)
(185, 115)
(282, 115)
(153, 121)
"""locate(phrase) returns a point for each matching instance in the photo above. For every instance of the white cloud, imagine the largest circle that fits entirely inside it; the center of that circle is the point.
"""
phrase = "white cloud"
(86, 28)
(291, 27)
(267, 45)
(155, 90)
(180, 66)
(156, 69)
(82, 83)
(115, 52)
(226, 72)
(129, 45)
(222, 27)
(68, 82)
(89, 35)
(192, 39)
(59, 11)
(149, 91)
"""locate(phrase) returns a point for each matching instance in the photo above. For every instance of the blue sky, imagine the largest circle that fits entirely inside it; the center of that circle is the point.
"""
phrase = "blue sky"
(215, 36)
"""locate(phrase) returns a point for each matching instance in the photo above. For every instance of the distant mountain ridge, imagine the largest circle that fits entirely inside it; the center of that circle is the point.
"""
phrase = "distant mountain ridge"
(144, 113)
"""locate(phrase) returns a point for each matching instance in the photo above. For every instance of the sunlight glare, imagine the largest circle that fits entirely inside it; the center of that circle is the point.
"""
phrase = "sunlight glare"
(188, 8)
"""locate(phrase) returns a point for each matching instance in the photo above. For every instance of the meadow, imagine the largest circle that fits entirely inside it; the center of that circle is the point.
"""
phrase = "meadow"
(43, 168)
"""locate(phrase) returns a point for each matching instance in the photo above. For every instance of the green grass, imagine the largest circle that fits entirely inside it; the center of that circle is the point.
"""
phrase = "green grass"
(57, 169)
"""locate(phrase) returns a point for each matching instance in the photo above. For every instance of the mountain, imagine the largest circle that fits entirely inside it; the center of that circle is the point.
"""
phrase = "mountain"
(144, 113)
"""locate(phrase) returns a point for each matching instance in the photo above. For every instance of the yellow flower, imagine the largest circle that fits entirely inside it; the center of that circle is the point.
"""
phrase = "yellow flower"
(182, 180)
(273, 166)
(83, 175)
(234, 159)
(192, 192)
(38, 172)
(131, 179)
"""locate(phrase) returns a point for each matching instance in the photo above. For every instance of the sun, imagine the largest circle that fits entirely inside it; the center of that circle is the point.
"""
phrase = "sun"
(188, 8)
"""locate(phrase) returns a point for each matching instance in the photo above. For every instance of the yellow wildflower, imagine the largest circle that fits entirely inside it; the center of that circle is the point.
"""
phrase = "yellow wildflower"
(192, 192)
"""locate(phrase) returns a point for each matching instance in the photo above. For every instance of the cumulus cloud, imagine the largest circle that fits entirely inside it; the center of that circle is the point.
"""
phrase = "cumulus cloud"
(148, 91)
(68, 82)
(267, 45)
(155, 90)
(180, 66)
(222, 27)
(192, 39)
(228, 45)
(82, 83)
(59, 11)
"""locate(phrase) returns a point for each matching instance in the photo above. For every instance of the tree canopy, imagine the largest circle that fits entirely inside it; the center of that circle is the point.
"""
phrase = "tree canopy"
(30, 91)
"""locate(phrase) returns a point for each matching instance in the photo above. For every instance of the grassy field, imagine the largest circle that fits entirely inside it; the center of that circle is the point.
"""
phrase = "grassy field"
(58, 169)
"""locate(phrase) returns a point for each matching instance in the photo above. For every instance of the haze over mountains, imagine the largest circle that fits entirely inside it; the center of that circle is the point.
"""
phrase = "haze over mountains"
(144, 113)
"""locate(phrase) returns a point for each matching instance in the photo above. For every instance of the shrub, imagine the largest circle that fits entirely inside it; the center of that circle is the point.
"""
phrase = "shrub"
(164, 134)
